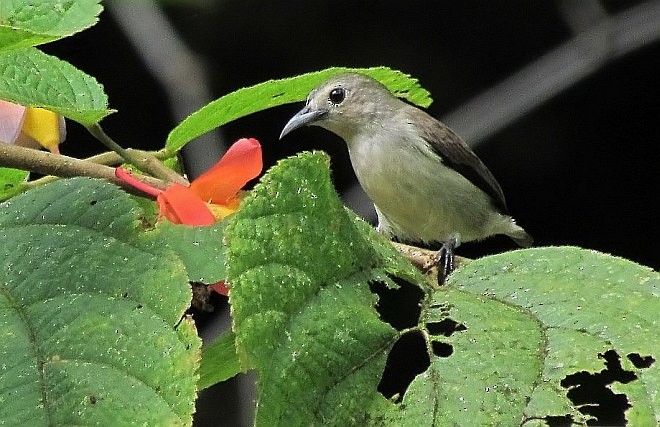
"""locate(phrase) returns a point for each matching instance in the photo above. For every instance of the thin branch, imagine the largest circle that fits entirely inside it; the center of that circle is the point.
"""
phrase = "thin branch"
(141, 159)
(110, 158)
(62, 166)
(581, 15)
(586, 53)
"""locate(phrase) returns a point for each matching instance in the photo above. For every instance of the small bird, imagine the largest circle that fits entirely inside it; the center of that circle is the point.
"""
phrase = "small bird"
(426, 184)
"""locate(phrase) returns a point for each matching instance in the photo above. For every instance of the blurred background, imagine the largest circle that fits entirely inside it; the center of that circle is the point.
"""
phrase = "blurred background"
(561, 99)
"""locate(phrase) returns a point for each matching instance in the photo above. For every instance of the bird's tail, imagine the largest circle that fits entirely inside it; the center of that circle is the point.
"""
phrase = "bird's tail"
(521, 237)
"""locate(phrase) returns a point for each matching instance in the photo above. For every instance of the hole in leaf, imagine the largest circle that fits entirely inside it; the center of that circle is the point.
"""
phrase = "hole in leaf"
(399, 307)
(641, 362)
(407, 359)
(92, 203)
(445, 327)
(442, 349)
(592, 396)
(559, 421)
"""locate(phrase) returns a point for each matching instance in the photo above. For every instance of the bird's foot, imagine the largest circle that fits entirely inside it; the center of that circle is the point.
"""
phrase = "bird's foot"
(445, 259)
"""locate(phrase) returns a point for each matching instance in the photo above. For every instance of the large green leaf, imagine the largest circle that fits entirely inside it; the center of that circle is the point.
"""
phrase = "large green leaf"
(31, 78)
(592, 309)
(279, 92)
(200, 249)
(89, 309)
(25, 23)
(529, 336)
(551, 334)
(299, 267)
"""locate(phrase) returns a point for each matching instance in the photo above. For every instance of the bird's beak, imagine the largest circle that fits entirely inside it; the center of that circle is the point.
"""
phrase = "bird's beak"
(304, 117)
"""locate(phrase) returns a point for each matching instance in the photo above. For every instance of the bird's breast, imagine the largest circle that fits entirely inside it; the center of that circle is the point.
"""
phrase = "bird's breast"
(420, 198)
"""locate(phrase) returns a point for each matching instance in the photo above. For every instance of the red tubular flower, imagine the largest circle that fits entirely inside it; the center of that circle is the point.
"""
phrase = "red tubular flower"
(180, 205)
(213, 195)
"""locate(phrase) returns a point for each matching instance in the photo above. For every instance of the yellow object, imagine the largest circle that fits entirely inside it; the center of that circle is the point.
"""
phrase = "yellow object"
(220, 212)
(43, 126)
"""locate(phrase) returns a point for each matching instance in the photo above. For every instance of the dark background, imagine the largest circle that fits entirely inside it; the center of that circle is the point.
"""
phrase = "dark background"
(580, 169)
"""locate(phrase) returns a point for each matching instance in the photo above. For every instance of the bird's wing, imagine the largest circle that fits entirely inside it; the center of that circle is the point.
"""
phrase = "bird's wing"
(456, 154)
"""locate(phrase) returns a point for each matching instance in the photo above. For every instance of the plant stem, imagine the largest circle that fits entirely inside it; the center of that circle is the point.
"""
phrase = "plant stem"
(141, 159)
(62, 166)
(111, 158)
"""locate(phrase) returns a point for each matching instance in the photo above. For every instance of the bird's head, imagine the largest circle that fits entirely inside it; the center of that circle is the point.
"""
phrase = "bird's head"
(344, 105)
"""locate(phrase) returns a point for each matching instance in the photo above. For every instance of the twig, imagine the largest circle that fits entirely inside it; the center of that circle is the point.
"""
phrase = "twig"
(62, 166)
(141, 159)
(554, 72)
(111, 158)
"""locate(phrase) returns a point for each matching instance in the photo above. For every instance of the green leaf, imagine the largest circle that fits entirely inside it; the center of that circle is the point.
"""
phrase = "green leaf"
(279, 92)
(25, 23)
(89, 309)
(200, 249)
(591, 308)
(299, 267)
(11, 182)
(491, 369)
(219, 361)
(31, 78)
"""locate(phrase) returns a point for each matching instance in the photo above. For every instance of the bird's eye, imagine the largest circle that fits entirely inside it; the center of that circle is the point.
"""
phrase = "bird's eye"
(337, 95)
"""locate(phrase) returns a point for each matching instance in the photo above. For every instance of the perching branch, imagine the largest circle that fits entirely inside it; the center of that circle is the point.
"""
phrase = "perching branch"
(424, 259)
(62, 166)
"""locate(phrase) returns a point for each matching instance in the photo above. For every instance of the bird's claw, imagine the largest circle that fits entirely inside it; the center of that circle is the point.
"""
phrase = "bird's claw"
(445, 260)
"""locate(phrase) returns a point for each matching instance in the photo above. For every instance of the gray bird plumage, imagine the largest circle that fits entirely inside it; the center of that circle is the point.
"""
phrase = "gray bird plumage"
(426, 183)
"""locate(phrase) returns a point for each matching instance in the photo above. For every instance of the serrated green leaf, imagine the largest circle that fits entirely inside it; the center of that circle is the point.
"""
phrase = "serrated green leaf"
(534, 317)
(31, 78)
(279, 92)
(88, 308)
(489, 375)
(299, 265)
(200, 249)
(219, 361)
(25, 23)
(11, 182)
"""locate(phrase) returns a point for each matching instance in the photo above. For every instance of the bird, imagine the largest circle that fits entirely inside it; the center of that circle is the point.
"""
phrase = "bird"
(427, 186)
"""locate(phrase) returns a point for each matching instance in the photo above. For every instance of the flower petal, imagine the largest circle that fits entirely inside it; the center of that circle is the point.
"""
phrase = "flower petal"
(221, 212)
(220, 287)
(45, 127)
(126, 176)
(11, 121)
(241, 163)
(181, 206)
